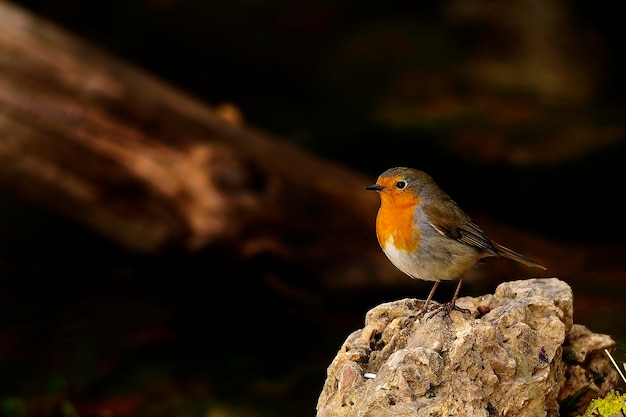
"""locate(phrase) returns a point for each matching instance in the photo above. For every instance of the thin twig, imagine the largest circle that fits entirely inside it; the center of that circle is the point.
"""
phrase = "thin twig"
(615, 365)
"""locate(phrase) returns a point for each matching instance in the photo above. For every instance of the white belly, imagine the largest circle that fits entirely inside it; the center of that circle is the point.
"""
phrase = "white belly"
(433, 263)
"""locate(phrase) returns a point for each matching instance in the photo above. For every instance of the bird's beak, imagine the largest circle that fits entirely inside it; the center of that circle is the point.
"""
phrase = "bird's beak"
(374, 187)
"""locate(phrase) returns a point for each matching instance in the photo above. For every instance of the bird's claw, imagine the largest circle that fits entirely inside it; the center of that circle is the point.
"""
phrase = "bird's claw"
(445, 308)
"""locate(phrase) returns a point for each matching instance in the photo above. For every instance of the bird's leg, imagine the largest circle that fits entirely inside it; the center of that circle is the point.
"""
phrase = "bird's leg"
(430, 296)
(456, 292)
(451, 305)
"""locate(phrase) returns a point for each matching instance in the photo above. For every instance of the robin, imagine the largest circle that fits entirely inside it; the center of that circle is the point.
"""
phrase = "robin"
(426, 235)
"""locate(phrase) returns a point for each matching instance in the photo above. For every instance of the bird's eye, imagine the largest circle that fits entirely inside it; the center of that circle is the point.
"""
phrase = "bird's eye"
(400, 185)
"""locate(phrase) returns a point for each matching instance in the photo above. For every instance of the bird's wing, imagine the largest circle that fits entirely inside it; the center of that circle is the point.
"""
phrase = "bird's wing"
(449, 220)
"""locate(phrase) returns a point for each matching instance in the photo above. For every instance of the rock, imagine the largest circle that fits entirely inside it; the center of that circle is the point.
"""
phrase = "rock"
(513, 353)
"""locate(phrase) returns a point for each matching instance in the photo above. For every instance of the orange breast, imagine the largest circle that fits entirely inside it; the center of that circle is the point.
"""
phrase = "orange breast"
(395, 219)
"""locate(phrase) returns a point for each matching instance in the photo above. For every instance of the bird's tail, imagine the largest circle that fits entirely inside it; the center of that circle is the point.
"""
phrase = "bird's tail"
(511, 254)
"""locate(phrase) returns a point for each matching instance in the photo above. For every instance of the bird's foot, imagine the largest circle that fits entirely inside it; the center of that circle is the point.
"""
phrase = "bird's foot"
(427, 310)
(446, 309)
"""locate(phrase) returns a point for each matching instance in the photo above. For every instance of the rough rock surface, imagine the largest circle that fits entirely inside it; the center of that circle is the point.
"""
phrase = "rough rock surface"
(515, 353)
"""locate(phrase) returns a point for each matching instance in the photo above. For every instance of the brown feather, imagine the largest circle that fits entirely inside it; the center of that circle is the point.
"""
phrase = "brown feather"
(511, 254)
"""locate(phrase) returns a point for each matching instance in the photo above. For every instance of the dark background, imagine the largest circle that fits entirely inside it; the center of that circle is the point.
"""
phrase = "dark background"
(517, 111)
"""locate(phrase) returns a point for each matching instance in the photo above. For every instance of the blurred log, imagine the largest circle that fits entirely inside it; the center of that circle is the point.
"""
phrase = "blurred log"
(149, 167)
(113, 148)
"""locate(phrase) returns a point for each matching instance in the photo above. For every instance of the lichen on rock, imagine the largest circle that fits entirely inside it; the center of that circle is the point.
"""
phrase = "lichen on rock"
(613, 404)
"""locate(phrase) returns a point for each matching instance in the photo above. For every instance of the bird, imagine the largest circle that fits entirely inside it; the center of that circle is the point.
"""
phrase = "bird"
(425, 233)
